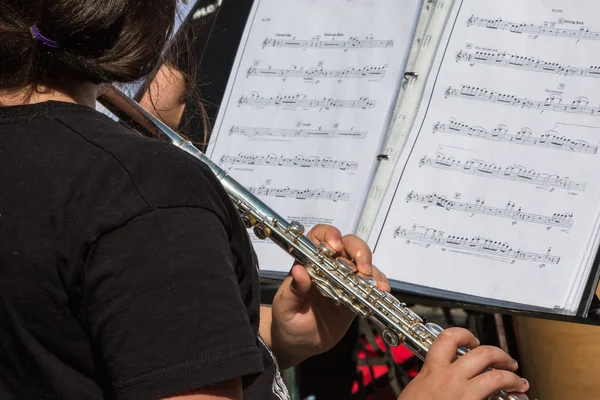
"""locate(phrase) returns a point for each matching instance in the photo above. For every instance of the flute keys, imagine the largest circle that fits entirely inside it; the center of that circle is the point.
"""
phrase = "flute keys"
(296, 229)
(327, 252)
(367, 283)
(435, 329)
(390, 337)
(423, 334)
(247, 221)
(388, 299)
(261, 232)
(344, 267)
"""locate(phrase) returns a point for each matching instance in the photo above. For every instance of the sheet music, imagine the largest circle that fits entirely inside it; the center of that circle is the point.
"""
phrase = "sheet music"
(496, 192)
(308, 105)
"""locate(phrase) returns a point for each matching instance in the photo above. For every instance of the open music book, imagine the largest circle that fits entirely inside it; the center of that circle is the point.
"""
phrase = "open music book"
(493, 198)
(458, 138)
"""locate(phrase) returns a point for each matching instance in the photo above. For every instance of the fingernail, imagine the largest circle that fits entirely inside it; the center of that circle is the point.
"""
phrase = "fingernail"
(524, 381)
(514, 361)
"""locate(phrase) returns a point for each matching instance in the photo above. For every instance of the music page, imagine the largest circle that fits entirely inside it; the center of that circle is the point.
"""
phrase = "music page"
(308, 104)
(496, 194)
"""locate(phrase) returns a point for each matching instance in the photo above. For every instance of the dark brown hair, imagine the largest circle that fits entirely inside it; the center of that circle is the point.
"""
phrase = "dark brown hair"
(100, 41)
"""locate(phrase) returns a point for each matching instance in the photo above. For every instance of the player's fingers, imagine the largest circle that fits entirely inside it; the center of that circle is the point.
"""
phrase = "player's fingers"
(444, 348)
(494, 381)
(478, 360)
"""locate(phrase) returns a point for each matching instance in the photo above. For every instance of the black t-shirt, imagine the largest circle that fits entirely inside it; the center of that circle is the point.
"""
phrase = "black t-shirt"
(125, 271)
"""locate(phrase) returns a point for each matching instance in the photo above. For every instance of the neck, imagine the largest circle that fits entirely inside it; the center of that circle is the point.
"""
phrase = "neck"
(84, 94)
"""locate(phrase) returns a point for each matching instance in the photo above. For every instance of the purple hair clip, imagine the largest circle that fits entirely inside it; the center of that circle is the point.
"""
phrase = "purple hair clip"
(48, 42)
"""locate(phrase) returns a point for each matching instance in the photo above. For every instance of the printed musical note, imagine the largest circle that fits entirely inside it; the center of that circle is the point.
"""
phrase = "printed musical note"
(300, 194)
(298, 132)
(526, 63)
(300, 100)
(319, 73)
(475, 244)
(511, 211)
(540, 30)
(317, 43)
(552, 103)
(549, 139)
(512, 172)
(274, 160)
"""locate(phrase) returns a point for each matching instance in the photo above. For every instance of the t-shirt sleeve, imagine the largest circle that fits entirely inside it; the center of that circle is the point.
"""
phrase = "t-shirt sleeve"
(163, 306)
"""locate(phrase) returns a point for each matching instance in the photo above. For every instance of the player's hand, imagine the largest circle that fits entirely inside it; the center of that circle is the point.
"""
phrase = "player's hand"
(467, 378)
(304, 321)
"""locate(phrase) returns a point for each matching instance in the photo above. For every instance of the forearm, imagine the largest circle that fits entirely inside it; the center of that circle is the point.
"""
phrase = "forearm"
(264, 328)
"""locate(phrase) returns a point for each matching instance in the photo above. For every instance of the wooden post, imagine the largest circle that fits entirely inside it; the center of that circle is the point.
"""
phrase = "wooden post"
(560, 360)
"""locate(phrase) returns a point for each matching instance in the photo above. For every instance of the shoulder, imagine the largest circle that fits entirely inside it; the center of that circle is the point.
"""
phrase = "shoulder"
(163, 175)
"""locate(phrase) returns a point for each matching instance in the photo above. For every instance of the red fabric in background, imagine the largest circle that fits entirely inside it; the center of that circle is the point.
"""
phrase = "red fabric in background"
(400, 355)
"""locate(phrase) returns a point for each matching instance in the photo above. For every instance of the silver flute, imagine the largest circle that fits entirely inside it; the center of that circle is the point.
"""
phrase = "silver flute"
(334, 277)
